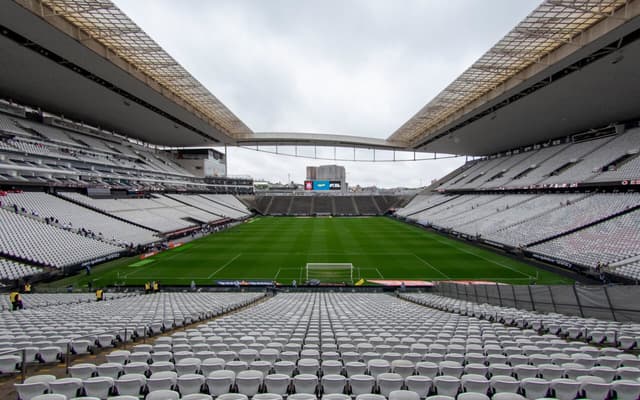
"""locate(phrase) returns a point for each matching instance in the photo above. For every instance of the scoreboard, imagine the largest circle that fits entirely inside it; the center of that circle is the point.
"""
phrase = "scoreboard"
(321, 185)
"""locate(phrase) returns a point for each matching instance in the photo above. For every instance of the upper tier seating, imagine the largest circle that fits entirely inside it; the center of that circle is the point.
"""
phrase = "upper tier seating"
(34, 152)
(80, 217)
(604, 159)
(595, 162)
(34, 241)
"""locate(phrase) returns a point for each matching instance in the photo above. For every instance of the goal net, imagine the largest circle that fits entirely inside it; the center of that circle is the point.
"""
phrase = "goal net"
(330, 272)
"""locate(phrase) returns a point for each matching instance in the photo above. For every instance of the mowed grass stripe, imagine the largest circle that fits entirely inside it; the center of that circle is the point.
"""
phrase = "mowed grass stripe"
(271, 247)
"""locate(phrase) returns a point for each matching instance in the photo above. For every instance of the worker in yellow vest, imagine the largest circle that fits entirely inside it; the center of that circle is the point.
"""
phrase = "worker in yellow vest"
(99, 295)
(147, 287)
(156, 286)
(27, 287)
(16, 300)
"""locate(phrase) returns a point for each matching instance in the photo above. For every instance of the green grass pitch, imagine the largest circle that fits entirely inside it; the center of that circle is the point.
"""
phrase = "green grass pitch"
(278, 248)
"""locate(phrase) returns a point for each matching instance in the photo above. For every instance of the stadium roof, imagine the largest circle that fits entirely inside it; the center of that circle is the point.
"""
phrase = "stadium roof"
(92, 50)
(101, 20)
(553, 24)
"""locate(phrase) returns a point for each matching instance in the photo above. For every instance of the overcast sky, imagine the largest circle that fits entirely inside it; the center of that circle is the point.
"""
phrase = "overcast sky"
(355, 67)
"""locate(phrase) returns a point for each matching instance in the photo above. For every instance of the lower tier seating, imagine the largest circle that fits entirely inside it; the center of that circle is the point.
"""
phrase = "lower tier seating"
(36, 242)
(343, 345)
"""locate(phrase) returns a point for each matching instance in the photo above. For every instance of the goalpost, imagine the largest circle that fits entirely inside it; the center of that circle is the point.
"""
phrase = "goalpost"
(330, 272)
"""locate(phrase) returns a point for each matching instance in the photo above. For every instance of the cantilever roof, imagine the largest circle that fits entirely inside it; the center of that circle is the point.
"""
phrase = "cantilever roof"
(104, 22)
(552, 24)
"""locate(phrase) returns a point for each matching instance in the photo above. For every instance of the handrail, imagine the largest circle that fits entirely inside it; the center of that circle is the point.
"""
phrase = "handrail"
(23, 364)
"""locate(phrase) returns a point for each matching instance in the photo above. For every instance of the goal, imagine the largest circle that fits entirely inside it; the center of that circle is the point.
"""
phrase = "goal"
(330, 272)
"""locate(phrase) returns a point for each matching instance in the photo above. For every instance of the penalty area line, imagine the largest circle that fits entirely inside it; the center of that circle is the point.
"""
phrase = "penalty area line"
(487, 259)
(224, 266)
(428, 264)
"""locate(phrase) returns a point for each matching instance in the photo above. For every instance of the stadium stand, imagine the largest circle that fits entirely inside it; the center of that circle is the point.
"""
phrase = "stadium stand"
(565, 213)
(630, 270)
(344, 205)
(323, 205)
(258, 203)
(34, 241)
(613, 335)
(11, 270)
(450, 206)
(600, 160)
(388, 202)
(422, 202)
(74, 218)
(47, 330)
(609, 241)
(556, 225)
(159, 213)
(561, 159)
(366, 205)
(228, 201)
(210, 205)
(563, 199)
(277, 205)
(34, 152)
(300, 205)
(612, 158)
(335, 205)
(36, 300)
(323, 344)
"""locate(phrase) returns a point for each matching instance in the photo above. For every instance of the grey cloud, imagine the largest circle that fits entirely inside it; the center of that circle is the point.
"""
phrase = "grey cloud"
(359, 67)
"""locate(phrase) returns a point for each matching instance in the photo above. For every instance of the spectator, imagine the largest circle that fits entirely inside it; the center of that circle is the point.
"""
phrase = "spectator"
(193, 285)
(16, 300)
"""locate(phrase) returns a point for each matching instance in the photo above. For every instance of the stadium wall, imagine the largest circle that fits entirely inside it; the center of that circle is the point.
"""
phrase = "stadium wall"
(602, 302)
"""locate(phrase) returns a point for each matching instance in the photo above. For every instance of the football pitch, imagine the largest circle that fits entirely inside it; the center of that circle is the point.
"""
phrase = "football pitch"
(278, 248)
